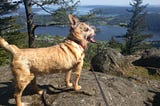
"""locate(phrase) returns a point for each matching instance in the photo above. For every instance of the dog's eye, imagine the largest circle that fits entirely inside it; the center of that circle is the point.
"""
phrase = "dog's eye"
(86, 29)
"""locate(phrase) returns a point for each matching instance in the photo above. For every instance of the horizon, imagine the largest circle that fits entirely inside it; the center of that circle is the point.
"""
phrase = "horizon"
(115, 5)
(118, 3)
(114, 2)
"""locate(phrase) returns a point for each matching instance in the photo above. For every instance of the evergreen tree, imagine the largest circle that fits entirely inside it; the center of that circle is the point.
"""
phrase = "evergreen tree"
(113, 43)
(134, 36)
(7, 23)
(8, 28)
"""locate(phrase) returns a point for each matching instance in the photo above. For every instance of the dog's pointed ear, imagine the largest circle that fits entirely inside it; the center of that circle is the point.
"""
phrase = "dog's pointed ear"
(73, 20)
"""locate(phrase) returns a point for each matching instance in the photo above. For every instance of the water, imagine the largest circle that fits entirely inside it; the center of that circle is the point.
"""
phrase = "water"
(104, 33)
(82, 10)
(107, 32)
(53, 30)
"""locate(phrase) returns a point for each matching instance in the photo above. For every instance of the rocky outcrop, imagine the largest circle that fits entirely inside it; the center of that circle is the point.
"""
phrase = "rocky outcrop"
(118, 91)
(149, 58)
(111, 61)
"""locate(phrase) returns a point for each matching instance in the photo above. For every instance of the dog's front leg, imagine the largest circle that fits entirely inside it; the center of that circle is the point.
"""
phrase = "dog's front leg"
(68, 77)
(77, 76)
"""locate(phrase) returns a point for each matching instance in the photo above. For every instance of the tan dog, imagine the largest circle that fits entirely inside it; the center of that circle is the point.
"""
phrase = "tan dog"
(65, 57)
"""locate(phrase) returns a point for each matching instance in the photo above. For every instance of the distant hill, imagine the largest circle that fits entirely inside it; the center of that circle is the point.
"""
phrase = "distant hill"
(84, 9)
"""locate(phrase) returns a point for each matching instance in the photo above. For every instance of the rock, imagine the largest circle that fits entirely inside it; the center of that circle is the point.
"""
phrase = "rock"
(149, 58)
(111, 61)
(118, 91)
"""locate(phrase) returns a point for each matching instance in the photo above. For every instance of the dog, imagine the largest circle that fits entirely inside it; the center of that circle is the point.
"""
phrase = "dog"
(66, 57)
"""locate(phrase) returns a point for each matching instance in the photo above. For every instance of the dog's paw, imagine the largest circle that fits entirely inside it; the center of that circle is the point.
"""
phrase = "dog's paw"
(69, 85)
(77, 88)
(40, 92)
(25, 104)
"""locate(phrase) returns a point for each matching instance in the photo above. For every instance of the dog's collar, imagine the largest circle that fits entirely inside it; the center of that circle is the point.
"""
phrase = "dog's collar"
(76, 41)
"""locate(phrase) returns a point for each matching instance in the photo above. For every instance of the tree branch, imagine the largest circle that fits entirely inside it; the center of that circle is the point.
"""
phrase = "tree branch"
(6, 28)
(42, 7)
(50, 24)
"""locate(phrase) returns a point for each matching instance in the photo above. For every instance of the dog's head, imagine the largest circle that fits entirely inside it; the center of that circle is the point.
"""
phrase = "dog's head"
(80, 31)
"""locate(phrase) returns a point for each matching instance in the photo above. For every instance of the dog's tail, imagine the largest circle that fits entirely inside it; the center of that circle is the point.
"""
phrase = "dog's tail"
(9, 48)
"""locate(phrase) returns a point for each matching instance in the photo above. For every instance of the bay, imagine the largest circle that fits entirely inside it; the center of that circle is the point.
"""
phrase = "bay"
(104, 32)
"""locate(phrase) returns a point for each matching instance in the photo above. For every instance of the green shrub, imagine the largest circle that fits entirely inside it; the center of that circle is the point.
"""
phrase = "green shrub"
(47, 40)
(92, 50)
(19, 39)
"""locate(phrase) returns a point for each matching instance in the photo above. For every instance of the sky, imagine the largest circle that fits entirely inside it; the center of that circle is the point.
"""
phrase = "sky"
(117, 2)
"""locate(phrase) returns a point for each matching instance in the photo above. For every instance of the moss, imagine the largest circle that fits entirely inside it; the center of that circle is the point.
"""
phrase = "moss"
(142, 72)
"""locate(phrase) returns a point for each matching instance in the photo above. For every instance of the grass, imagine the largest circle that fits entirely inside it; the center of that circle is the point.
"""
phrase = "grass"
(142, 72)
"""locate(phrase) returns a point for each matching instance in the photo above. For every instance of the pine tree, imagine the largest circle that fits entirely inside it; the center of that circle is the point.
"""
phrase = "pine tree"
(7, 23)
(9, 30)
(134, 36)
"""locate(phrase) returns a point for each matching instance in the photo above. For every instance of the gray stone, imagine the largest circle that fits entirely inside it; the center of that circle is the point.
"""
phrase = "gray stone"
(111, 61)
(118, 91)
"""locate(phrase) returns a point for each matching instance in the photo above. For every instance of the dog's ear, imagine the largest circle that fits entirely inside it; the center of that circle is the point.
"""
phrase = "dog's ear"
(73, 20)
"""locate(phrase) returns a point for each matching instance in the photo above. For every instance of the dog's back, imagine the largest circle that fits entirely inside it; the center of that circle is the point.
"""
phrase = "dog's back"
(50, 59)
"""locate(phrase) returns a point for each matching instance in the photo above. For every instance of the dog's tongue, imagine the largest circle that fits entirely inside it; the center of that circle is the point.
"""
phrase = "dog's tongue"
(91, 39)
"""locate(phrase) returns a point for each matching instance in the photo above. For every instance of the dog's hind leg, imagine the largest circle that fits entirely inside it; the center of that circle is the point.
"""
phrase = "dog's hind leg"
(68, 77)
(22, 78)
(35, 87)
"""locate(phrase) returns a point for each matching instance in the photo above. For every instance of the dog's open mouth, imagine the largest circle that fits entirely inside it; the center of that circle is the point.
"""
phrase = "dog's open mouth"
(91, 39)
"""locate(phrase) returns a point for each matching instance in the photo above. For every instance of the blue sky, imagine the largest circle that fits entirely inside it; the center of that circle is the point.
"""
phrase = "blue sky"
(117, 2)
